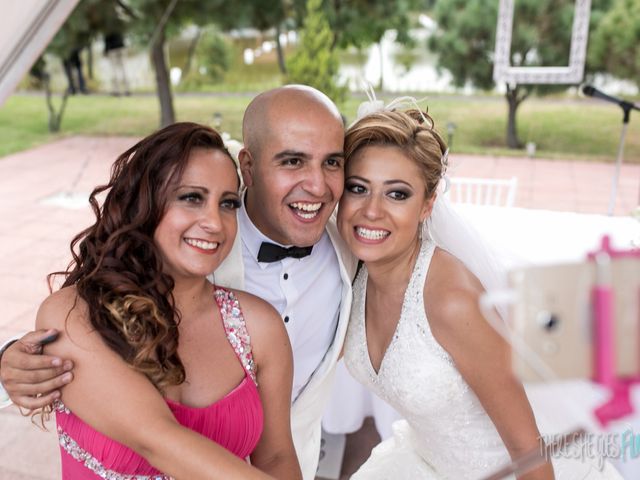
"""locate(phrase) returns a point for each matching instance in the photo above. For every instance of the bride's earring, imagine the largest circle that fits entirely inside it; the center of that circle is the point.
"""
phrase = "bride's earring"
(421, 229)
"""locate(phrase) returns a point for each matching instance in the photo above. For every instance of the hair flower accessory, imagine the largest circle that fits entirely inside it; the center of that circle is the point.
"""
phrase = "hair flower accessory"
(373, 105)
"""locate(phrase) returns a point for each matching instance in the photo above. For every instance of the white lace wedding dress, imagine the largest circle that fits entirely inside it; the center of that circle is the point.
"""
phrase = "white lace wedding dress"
(446, 433)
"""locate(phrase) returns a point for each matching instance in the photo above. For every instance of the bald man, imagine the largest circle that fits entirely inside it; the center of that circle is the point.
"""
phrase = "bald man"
(288, 252)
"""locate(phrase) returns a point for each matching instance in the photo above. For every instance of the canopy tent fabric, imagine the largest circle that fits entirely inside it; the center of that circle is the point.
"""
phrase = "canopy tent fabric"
(26, 28)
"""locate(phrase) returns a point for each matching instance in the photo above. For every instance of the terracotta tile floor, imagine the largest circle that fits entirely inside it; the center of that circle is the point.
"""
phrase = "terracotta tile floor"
(34, 239)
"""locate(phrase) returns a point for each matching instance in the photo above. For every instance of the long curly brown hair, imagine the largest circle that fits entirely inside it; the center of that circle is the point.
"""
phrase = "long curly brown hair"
(116, 267)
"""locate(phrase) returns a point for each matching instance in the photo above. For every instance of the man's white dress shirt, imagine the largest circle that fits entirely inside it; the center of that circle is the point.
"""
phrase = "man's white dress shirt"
(306, 292)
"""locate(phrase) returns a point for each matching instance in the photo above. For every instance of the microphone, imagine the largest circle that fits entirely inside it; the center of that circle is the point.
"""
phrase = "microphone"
(591, 91)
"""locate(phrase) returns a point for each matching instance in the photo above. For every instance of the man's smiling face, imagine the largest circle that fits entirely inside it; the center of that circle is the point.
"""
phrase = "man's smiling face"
(296, 175)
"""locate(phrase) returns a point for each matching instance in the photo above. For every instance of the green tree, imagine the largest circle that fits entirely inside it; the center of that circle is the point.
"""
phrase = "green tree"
(614, 45)
(315, 62)
(158, 20)
(361, 23)
(76, 34)
(358, 23)
(213, 57)
(465, 43)
(355, 22)
(267, 14)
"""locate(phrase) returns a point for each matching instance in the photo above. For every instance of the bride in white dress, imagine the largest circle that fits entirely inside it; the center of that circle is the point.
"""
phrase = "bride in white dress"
(416, 336)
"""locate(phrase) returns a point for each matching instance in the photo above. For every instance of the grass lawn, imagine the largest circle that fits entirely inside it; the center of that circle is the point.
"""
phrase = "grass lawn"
(561, 128)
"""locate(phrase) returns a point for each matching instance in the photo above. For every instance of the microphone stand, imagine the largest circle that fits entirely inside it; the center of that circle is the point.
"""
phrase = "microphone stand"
(626, 109)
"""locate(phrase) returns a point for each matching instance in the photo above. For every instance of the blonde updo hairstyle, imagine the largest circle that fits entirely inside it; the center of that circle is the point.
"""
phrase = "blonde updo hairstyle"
(406, 130)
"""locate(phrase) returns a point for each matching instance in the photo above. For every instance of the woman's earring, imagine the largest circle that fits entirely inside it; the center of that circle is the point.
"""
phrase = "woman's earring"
(420, 229)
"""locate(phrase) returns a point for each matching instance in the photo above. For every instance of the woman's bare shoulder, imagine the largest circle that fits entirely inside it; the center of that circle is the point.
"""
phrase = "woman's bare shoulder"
(451, 291)
(252, 305)
(447, 271)
(59, 306)
(257, 312)
(65, 311)
(264, 324)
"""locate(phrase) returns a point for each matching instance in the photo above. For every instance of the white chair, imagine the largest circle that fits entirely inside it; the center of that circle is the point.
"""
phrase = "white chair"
(483, 191)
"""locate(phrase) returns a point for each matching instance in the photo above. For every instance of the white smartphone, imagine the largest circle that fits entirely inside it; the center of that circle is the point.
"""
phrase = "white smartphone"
(553, 316)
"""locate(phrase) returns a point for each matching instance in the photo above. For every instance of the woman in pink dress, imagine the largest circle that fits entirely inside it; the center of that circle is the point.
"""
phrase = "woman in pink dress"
(175, 377)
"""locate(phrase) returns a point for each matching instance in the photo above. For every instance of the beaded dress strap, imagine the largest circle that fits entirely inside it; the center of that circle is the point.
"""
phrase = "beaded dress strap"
(236, 329)
(421, 268)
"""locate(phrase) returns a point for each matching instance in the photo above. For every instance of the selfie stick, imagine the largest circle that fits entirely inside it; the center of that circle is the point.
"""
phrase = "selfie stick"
(604, 368)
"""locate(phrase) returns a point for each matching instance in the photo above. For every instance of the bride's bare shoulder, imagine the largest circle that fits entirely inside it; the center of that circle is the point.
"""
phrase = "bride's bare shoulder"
(447, 272)
(451, 291)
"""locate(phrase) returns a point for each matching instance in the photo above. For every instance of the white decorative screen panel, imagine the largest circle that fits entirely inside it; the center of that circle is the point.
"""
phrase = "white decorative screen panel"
(573, 73)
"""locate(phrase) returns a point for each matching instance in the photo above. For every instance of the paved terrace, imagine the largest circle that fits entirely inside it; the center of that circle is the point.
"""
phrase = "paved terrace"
(34, 240)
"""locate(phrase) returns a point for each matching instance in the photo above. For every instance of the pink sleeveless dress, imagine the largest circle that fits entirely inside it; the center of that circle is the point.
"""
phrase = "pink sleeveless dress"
(234, 422)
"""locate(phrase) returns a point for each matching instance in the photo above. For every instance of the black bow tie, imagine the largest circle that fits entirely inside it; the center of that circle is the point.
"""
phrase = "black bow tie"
(270, 252)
